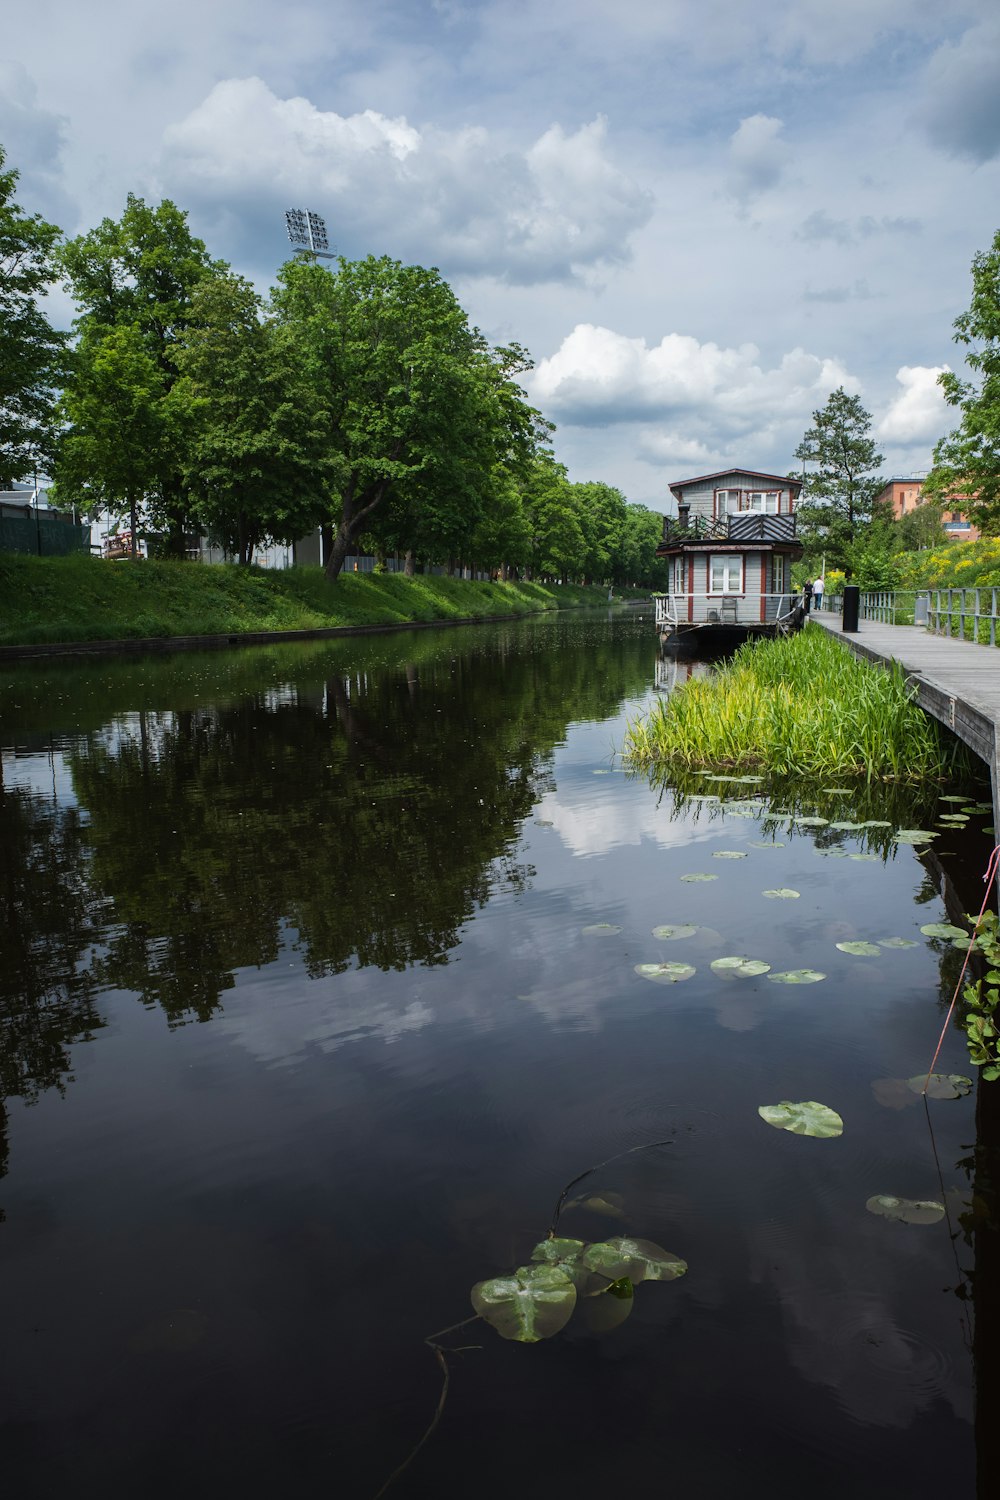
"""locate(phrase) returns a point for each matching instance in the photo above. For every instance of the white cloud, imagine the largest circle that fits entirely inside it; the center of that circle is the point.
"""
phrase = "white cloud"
(757, 156)
(919, 414)
(463, 199)
(599, 376)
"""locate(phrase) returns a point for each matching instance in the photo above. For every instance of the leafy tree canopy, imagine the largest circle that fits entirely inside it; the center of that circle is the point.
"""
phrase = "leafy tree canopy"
(842, 487)
(32, 352)
(967, 462)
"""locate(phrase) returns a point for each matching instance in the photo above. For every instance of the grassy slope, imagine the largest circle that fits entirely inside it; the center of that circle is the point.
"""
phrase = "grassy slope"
(85, 598)
(952, 565)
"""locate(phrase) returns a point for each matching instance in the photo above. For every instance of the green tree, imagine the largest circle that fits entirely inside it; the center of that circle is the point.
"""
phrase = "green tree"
(842, 488)
(256, 458)
(920, 528)
(140, 273)
(32, 352)
(415, 401)
(967, 462)
(118, 425)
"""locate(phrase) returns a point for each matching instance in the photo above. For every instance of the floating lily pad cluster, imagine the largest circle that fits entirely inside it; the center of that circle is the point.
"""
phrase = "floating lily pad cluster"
(537, 1300)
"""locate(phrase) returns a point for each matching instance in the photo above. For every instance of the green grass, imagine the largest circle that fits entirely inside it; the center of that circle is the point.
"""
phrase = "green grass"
(803, 706)
(68, 599)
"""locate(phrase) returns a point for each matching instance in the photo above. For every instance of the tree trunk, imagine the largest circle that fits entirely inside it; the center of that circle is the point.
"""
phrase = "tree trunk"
(133, 521)
(408, 566)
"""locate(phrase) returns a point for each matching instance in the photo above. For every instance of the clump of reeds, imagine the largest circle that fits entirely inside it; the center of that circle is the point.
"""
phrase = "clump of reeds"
(799, 706)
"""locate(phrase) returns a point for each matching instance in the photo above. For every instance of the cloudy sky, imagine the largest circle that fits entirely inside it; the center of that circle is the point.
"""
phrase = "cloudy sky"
(700, 216)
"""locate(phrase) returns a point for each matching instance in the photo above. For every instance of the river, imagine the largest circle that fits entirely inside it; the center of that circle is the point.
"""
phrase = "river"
(321, 978)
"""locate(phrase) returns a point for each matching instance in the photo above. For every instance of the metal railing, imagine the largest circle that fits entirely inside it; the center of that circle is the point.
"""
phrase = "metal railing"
(736, 526)
(964, 614)
(673, 610)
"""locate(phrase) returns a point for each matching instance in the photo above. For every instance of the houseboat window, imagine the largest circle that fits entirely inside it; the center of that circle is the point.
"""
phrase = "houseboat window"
(727, 574)
(726, 500)
(678, 575)
(778, 585)
(765, 501)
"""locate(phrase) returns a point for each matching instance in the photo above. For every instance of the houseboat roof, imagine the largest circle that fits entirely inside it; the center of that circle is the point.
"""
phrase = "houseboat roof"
(682, 484)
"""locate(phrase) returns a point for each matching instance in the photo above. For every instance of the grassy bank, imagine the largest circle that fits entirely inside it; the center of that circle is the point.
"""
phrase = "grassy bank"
(802, 706)
(65, 599)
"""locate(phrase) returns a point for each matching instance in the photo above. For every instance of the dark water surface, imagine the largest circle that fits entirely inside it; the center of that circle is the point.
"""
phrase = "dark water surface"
(302, 1036)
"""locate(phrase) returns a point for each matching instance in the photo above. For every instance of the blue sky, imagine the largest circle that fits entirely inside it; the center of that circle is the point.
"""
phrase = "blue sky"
(700, 216)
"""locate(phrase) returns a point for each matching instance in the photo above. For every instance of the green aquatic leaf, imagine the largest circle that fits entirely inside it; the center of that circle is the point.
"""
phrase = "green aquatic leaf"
(600, 929)
(610, 1204)
(906, 1210)
(954, 797)
(783, 893)
(665, 973)
(532, 1303)
(672, 933)
(943, 930)
(797, 976)
(893, 1093)
(876, 823)
(767, 844)
(837, 791)
(698, 877)
(639, 1260)
(602, 771)
(861, 950)
(812, 823)
(728, 854)
(747, 968)
(895, 942)
(608, 1310)
(869, 858)
(846, 827)
(913, 835)
(941, 1085)
(806, 1118)
(555, 1250)
(703, 797)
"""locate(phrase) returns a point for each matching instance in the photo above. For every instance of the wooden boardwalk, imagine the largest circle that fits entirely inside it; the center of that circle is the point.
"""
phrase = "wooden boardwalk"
(956, 681)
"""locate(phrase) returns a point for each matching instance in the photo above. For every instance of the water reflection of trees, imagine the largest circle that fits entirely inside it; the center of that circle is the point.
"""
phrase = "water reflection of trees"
(360, 816)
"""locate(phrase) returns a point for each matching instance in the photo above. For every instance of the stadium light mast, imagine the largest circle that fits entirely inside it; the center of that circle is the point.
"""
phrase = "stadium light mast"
(307, 232)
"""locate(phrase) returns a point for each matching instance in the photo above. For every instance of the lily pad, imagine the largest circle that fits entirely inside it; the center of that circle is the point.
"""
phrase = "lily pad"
(671, 933)
(941, 1085)
(697, 877)
(846, 827)
(954, 797)
(895, 942)
(876, 823)
(728, 854)
(861, 950)
(608, 1311)
(837, 791)
(867, 858)
(807, 1118)
(703, 797)
(610, 1204)
(767, 844)
(811, 822)
(639, 1260)
(832, 853)
(906, 1210)
(555, 1250)
(531, 1304)
(797, 976)
(913, 835)
(600, 929)
(893, 1093)
(784, 893)
(665, 973)
(746, 968)
(943, 930)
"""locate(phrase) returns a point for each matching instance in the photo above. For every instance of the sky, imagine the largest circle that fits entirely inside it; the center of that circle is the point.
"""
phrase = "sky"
(699, 216)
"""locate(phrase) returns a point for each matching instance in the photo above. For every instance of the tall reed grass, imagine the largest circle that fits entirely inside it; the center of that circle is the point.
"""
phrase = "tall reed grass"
(801, 706)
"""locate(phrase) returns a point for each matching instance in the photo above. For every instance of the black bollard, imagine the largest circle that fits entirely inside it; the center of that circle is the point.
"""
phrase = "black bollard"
(852, 606)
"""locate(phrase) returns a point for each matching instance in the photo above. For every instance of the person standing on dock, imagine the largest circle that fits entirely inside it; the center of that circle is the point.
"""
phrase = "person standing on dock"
(807, 589)
(818, 588)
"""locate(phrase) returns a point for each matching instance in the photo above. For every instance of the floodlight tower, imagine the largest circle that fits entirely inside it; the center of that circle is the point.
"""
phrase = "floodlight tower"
(307, 232)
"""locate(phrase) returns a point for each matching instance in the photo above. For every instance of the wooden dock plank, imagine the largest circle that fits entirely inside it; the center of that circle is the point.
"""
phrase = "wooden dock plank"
(957, 682)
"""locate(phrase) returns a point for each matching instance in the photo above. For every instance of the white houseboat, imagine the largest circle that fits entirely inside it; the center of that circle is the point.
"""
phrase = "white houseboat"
(730, 551)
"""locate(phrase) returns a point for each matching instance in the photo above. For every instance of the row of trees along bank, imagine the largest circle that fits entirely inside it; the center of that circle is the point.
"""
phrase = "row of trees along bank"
(358, 400)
